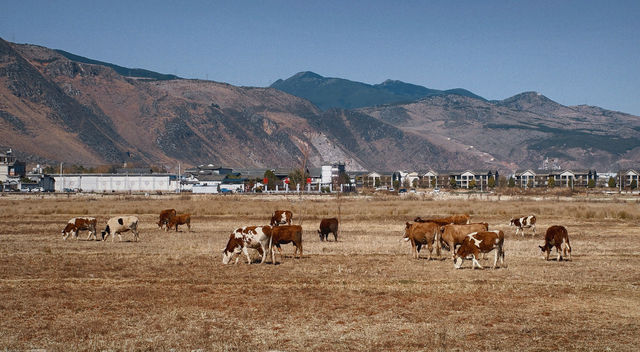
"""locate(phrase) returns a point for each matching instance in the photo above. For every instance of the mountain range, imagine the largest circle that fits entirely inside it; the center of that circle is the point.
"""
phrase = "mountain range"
(341, 93)
(60, 107)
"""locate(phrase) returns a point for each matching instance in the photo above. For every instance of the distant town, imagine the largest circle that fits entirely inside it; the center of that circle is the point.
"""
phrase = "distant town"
(213, 179)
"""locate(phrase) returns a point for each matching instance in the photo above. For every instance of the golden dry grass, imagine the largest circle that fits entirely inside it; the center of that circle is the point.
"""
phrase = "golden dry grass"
(170, 290)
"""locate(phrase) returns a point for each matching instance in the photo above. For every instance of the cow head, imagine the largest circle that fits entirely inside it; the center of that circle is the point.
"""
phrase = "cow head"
(407, 228)
(321, 235)
(512, 222)
(233, 248)
(70, 227)
(457, 262)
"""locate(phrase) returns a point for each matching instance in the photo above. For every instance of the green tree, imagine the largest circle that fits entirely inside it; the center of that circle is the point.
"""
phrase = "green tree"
(452, 182)
(296, 177)
(634, 184)
(396, 184)
(552, 182)
(530, 183)
(512, 182)
(271, 179)
(491, 182)
(472, 183)
(415, 183)
(612, 182)
(591, 183)
(377, 182)
(433, 182)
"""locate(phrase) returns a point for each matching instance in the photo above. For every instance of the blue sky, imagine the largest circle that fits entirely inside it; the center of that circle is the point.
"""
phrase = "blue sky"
(574, 52)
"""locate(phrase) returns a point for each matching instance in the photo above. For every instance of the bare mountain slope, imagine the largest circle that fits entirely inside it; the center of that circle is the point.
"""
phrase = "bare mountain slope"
(521, 131)
(55, 109)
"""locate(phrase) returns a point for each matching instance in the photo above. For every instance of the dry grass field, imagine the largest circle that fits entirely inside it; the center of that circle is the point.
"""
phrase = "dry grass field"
(170, 291)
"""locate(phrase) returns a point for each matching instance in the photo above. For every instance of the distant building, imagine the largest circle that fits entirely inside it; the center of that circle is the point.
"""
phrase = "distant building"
(10, 167)
(116, 182)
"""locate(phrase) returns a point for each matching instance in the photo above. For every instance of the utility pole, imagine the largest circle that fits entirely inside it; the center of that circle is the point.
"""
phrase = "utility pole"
(61, 176)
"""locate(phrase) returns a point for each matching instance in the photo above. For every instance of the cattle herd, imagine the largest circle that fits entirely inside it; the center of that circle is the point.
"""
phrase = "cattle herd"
(456, 234)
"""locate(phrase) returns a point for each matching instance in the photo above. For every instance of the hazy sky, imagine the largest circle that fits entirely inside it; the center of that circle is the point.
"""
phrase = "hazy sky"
(574, 52)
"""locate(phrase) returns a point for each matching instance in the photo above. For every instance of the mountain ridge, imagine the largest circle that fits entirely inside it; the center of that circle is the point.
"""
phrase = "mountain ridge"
(53, 109)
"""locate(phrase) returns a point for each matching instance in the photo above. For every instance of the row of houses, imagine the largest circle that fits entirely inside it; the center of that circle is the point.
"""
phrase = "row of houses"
(527, 178)
(333, 177)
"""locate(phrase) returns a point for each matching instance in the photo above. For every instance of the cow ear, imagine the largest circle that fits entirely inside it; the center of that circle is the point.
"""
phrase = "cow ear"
(120, 221)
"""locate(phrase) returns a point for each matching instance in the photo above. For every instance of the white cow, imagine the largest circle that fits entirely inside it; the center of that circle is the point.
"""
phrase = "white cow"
(256, 237)
(120, 224)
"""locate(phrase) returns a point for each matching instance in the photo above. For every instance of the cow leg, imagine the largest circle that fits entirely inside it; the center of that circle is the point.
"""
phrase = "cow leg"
(533, 228)
(135, 235)
(189, 227)
(246, 253)
(475, 261)
(263, 253)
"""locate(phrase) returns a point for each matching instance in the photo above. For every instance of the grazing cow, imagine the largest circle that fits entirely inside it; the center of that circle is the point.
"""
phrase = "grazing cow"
(453, 235)
(328, 226)
(76, 224)
(556, 236)
(165, 216)
(119, 224)
(427, 233)
(480, 242)
(461, 219)
(281, 217)
(524, 222)
(181, 219)
(256, 237)
(283, 235)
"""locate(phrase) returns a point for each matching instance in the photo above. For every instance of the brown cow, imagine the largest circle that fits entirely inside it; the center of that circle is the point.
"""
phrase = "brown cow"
(480, 242)
(165, 216)
(556, 236)
(453, 235)
(460, 219)
(328, 226)
(76, 224)
(283, 235)
(420, 234)
(180, 219)
(281, 217)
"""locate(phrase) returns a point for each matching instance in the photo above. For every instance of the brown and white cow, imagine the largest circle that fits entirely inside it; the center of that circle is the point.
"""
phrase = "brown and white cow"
(256, 237)
(283, 235)
(556, 236)
(480, 242)
(328, 226)
(76, 224)
(524, 222)
(119, 224)
(165, 215)
(180, 219)
(281, 217)
(452, 235)
(459, 219)
(422, 233)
